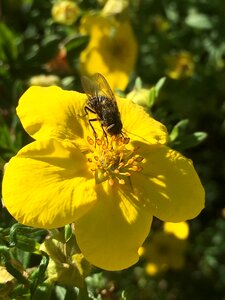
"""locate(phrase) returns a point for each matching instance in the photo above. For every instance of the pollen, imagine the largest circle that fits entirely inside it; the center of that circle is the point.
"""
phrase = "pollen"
(113, 159)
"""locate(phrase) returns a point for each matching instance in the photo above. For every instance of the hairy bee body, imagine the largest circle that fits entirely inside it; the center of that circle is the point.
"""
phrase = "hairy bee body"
(102, 102)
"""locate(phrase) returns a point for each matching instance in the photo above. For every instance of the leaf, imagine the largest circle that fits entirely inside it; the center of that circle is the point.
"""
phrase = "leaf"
(77, 43)
(192, 140)
(73, 47)
(15, 273)
(8, 46)
(154, 91)
(159, 85)
(68, 232)
(198, 20)
(138, 83)
(38, 276)
(178, 129)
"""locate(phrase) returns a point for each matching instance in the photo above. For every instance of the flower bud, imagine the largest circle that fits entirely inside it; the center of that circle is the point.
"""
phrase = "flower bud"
(65, 265)
(140, 97)
(65, 12)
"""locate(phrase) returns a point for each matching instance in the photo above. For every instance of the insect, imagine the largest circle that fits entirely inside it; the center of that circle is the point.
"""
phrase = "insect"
(102, 102)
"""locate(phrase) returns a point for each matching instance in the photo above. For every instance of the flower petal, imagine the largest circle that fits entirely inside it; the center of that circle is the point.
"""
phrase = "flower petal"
(170, 185)
(47, 185)
(51, 111)
(138, 125)
(110, 234)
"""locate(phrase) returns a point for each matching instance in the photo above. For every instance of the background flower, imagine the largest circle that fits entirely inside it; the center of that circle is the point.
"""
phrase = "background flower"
(180, 65)
(112, 50)
(166, 249)
(65, 12)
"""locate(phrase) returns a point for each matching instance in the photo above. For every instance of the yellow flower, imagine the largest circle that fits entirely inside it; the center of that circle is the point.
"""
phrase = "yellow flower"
(180, 65)
(151, 269)
(109, 188)
(163, 252)
(160, 23)
(65, 12)
(112, 49)
(180, 230)
(115, 7)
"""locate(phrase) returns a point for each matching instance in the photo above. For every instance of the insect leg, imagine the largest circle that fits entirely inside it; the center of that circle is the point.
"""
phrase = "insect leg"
(93, 120)
(105, 134)
(88, 109)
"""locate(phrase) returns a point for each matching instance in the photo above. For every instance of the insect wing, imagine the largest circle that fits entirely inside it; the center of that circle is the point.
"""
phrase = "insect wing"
(90, 87)
(103, 87)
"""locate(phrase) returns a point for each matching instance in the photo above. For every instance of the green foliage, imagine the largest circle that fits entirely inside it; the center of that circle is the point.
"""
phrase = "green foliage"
(192, 107)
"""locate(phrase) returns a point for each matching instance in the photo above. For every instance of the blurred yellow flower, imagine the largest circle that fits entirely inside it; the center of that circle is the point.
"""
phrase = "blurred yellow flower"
(65, 12)
(180, 65)
(112, 49)
(110, 189)
(180, 230)
(160, 23)
(151, 269)
(115, 7)
(44, 80)
(164, 251)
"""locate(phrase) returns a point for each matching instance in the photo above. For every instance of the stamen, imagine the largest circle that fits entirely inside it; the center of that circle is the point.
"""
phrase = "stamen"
(138, 158)
(121, 181)
(133, 168)
(111, 182)
(99, 142)
(90, 141)
(119, 141)
(126, 141)
(121, 164)
(113, 161)
(130, 161)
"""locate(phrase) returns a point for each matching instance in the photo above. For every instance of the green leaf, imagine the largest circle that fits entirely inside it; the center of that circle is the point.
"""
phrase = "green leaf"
(8, 46)
(48, 49)
(18, 236)
(14, 272)
(178, 129)
(192, 140)
(38, 276)
(68, 232)
(154, 91)
(138, 83)
(198, 20)
(74, 46)
(2, 163)
(77, 43)
(159, 85)
(43, 292)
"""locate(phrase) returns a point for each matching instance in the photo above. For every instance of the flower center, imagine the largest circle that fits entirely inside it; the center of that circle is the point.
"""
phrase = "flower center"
(113, 159)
